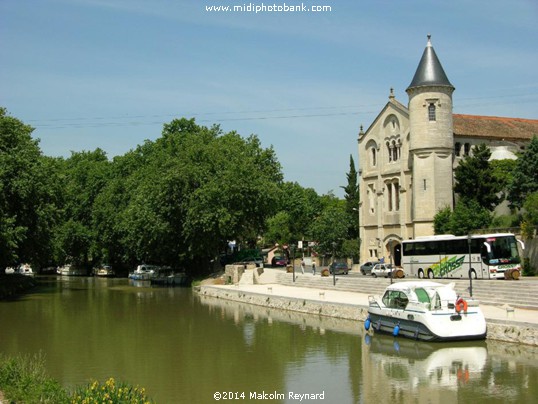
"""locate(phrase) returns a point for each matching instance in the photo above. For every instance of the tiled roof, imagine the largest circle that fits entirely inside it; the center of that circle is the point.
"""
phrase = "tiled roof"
(494, 127)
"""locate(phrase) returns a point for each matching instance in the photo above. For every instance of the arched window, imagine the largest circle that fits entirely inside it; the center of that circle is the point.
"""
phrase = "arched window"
(431, 112)
(373, 156)
(389, 151)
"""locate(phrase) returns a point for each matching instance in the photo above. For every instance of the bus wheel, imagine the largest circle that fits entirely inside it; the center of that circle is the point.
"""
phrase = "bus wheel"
(430, 274)
(472, 274)
(420, 273)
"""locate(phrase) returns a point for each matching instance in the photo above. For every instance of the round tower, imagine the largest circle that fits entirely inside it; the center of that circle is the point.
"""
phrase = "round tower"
(431, 141)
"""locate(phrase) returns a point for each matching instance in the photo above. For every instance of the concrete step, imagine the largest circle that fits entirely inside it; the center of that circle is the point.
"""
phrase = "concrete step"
(522, 293)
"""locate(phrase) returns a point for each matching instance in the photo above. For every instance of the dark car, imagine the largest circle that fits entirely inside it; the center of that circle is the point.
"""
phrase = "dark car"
(279, 261)
(339, 268)
(258, 261)
(366, 268)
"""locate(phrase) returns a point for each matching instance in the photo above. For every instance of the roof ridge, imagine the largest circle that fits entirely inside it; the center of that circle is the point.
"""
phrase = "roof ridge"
(497, 118)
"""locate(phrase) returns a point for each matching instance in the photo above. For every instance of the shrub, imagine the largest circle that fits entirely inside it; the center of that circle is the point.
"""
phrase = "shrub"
(528, 269)
(110, 392)
(23, 379)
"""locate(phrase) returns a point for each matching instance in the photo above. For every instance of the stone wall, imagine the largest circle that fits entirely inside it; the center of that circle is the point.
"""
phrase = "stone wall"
(497, 330)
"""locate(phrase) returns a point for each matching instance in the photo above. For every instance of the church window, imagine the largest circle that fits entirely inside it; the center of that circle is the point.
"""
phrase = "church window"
(431, 112)
(371, 198)
(389, 151)
(393, 196)
(457, 149)
(373, 156)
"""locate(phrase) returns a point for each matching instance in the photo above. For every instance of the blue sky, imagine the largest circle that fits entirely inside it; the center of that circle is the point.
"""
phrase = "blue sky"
(109, 73)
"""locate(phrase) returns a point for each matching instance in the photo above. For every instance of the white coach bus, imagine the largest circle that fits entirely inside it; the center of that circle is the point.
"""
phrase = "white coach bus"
(447, 256)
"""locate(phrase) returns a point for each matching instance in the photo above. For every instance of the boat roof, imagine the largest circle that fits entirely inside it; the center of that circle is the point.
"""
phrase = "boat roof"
(415, 284)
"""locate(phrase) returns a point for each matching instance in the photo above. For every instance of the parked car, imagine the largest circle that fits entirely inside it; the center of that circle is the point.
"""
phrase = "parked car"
(279, 261)
(338, 268)
(258, 261)
(366, 268)
(382, 270)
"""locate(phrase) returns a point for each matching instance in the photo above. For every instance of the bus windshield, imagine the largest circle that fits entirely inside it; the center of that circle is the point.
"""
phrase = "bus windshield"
(501, 250)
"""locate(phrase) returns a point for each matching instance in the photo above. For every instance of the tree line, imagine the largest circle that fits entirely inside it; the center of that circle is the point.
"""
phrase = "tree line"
(481, 185)
(174, 201)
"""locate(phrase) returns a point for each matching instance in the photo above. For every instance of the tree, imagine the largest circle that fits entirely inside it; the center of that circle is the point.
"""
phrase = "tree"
(441, 221)
(331, 226)
(29, 192)
(525, 178)
(352, 198)
(530, 217)
(475, 180)
(85, 174)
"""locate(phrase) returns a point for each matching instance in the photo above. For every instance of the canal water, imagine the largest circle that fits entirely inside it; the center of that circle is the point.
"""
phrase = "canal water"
(184, 348)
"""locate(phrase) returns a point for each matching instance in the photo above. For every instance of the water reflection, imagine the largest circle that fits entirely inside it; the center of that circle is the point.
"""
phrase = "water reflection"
(184, 347)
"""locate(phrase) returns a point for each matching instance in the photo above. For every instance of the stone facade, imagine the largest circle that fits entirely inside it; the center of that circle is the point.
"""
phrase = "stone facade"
(408, 154)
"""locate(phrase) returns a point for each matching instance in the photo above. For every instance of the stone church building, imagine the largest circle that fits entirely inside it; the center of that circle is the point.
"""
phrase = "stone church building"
(408, 154)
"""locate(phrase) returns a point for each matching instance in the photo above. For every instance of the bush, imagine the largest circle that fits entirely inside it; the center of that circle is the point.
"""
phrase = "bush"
(23, 379)
(110, 392)
(528, 270)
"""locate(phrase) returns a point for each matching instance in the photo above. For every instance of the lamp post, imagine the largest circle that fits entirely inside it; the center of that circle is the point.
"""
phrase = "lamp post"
(390, 260)
(334, 269)
(470, 267)
(293, 260)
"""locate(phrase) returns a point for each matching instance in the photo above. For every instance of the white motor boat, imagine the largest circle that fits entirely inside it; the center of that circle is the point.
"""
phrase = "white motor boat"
(144, 272)
(25, 269)
(426, 311)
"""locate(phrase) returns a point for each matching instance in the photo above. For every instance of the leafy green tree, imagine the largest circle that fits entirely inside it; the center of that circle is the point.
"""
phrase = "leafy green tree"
(441, 221)
(474, 178)
(301, 205)
(278, 229)
(85, 175)
(530, 217)
(29, 193)
(331, 226)
(469, 215)
(525, 176)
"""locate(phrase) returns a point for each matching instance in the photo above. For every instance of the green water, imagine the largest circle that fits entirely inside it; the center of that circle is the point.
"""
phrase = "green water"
(184, 349)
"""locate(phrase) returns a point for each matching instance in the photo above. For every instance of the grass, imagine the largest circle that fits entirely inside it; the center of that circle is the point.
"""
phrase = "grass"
(23, 380)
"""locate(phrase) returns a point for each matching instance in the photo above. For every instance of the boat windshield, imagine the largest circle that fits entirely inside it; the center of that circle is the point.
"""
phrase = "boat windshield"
(422, 295)
(501, 250)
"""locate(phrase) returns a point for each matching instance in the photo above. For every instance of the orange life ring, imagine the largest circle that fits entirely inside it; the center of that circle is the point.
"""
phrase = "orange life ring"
(461, 304)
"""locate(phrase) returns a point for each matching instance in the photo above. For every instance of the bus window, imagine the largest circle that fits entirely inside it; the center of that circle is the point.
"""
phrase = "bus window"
(503, 250)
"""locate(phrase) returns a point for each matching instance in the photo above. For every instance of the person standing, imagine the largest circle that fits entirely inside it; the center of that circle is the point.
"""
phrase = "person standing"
(313, 267)
(302, 266)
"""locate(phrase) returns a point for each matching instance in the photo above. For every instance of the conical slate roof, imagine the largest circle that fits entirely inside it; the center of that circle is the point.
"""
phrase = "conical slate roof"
(429, 71)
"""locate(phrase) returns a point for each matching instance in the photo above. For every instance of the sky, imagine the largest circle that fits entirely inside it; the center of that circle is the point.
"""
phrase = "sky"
(108, 74)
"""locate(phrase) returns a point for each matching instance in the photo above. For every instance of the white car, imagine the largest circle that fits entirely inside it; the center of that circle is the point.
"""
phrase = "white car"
(382, 270)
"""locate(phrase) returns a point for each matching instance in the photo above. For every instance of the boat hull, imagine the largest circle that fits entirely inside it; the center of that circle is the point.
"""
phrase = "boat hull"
(446, 327)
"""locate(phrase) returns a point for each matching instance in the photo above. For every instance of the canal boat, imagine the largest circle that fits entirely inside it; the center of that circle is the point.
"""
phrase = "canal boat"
(105, 271)
(25, 269)
(70, 270)
(426, 311)
(167, 277)
(144, 272)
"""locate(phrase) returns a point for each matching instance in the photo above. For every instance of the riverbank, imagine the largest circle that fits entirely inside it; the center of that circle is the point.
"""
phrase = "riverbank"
(513, 325)
(12, 285)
